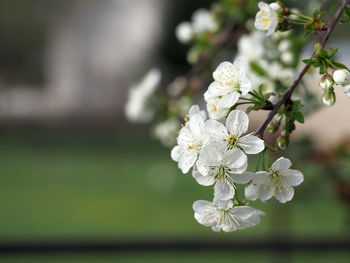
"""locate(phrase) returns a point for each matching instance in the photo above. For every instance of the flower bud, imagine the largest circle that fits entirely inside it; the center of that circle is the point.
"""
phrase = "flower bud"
(346, 90)
(273, 126)
(326, 82)
(276, 7)
(318, 49)
(282, 142)
(341, 76)
(184, 32)
(328, 97)
(287, 57)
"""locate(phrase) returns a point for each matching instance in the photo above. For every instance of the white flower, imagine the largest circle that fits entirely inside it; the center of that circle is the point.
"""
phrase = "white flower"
(223, 216)
(166, 131)
(346, 90)
(326, 82)
(223, 168)
(287, 57)
(250, 47)
(266, 19)
(230, 83)
(231, 136)
(341, 76)
(203, 21)
(284, 45)
(184, 32)
(278, 182)
(190, 140)
(137, 108)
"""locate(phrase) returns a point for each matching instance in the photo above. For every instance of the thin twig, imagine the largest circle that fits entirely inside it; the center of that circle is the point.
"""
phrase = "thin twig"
(286, 95)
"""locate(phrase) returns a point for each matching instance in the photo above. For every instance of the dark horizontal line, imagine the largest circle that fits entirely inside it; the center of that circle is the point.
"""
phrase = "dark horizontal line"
(276, 244)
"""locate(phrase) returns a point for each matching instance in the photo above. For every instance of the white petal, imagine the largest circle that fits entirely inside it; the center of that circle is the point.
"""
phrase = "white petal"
(196, 124)
(263, 6)
(216, 130)
(236, 160)
(229, 99)
(176, 153)
(203, 180)
(284, 194)
(251, 144)
(261, 177)
(223, 190)
(243, 178)
(253, 191)
(267, 191)
(214, 90)
(187, 160)
(223, 204)
(201, 166)
(237, 122)
(224, 73)
(245, 86)
(292, 177)
(281, 164)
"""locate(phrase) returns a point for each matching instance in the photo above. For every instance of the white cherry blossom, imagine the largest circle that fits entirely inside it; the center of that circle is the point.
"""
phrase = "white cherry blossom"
(184, 32)
(341, 76)
(192, 137)
(277, 182)
(137, 108)
(203, 21)
(266, 19)
(230, 83)
(237, 124)
(346, 90)
(224, 216)
(223, 168)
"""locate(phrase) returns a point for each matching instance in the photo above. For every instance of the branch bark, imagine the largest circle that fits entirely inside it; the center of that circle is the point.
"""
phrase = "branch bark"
(288, 92)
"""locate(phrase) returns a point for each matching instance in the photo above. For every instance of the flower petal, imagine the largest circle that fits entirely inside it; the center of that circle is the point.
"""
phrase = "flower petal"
(292, 177)
(216, 130)
(236, 160)
(243, 178)
(196, 124)
(267, 191)
(281, 164)
(176, 153)
(229, 99)
(261, 177)
(223, 190)
(203, 180)
(253, 191)
(284, 194)
(251, 144)
(187, 160)
(237, 122)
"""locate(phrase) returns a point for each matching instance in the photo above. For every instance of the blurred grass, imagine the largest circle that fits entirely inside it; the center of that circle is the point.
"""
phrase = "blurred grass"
(61, 185)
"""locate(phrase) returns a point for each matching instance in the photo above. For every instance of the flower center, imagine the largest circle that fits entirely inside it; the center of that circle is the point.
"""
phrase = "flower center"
(232, 141)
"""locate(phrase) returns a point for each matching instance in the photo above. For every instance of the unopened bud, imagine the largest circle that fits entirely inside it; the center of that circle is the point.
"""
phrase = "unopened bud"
(318, 49)
(276, 7)
(328, 97)
(341, 76)
(326, 82)
(282, 142)
(273, 126)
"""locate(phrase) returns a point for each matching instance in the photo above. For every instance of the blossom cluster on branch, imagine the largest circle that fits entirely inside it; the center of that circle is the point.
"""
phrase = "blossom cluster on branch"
(269, 65)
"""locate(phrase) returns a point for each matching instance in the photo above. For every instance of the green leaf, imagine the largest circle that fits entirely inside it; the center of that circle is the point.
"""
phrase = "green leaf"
(308, 61)
(299, 116)
(331, 52)
(340, 65)
(257, 69)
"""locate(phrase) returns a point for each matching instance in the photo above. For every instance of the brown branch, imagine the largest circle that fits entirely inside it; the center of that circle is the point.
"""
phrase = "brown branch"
(286, 95)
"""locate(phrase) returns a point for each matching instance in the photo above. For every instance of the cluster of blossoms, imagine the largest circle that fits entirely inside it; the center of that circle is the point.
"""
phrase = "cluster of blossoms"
(139, 105)
(214, 144)
(217, 154)
(202, 22)
(339, 77)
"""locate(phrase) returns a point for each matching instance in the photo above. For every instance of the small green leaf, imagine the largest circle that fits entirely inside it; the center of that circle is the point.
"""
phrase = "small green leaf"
(299, 116)
(257, 69)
